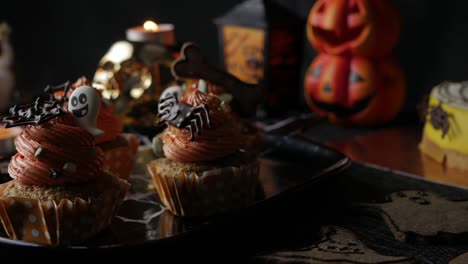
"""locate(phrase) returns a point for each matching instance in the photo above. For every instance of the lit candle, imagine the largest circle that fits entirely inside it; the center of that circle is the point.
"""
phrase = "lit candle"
(152, 32)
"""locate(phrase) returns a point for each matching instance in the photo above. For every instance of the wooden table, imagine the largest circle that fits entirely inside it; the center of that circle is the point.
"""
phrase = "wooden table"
(397, 149)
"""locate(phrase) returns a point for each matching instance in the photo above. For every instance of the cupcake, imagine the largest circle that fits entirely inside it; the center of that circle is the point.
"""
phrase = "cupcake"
(445, 135)
(251, 136)
(59, 194)
(205, 169)
(119, 148)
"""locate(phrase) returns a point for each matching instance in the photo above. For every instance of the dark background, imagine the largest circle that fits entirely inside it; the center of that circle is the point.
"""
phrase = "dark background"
(55, 41)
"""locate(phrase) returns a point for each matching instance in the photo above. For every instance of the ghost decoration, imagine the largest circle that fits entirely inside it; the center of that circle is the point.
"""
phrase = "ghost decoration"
(84, 104)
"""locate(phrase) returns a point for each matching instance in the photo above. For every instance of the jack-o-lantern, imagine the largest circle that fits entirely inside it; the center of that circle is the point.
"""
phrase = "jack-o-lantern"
(360, 27)
(355, 90)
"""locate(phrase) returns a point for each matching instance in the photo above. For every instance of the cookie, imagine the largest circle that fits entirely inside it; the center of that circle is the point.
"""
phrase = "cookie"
(424, 217)
(337, 245)
(460, 259)
(193, 64)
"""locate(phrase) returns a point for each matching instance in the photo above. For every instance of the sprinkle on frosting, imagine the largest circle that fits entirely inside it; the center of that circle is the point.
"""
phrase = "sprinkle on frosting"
(38, 152)
(69, 166)
(54, 173)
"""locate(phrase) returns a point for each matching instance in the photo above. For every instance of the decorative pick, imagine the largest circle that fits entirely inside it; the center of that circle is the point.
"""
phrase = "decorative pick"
(192, 64)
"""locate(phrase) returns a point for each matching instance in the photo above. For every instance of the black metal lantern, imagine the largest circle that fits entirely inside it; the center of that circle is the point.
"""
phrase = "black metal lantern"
(261, 42)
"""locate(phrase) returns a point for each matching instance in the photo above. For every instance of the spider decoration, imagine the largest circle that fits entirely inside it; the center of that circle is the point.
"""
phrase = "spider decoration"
(439, 118)
(42, 110)
(65, 87)
(183, 115)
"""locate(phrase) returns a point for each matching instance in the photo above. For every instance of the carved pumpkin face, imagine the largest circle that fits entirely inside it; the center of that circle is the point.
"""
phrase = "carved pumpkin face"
(355, 90)
(359, 27)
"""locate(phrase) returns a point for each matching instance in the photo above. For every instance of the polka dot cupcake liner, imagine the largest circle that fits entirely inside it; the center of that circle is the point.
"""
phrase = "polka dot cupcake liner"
(119, 161)
(64, 223)
(211, 192)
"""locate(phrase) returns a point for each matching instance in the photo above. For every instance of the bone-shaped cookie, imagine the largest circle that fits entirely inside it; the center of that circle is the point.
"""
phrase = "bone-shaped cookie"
(192, 64)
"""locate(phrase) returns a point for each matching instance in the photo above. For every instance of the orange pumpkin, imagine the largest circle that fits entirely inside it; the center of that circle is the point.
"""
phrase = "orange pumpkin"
(359, 27)
(355, 90)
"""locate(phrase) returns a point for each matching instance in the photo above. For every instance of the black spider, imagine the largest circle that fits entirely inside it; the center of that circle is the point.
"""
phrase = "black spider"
(439, 118)
(183, 115)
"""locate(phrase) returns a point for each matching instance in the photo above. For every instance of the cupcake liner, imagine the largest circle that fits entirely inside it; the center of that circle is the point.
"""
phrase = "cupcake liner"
(63, 223)
(190, 194)
(169, 225)
(119, 160)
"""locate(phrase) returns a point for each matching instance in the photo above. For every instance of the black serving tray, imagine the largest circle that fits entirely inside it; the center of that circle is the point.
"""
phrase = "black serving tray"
(289, 165)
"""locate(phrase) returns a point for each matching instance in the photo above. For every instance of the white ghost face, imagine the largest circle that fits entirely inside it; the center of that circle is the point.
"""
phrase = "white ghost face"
(84, 105)
(79, 105)
(83, 101)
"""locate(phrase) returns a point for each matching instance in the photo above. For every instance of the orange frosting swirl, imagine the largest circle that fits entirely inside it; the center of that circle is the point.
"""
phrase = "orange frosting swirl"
(220, 140)
(108, 122)
(59, 145)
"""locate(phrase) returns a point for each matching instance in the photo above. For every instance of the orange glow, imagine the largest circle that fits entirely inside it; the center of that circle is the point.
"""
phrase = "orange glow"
(150, 26)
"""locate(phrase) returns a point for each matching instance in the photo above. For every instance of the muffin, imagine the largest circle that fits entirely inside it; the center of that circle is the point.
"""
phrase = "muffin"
(119, 148)
(205, 169)
(59, 194)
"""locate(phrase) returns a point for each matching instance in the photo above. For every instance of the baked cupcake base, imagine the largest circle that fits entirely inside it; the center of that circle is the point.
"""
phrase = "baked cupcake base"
(192, 189)
(60, 215)
(449, 158)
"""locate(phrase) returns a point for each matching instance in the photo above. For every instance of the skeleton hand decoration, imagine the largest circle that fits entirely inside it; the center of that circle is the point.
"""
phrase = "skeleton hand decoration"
(183, 115)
